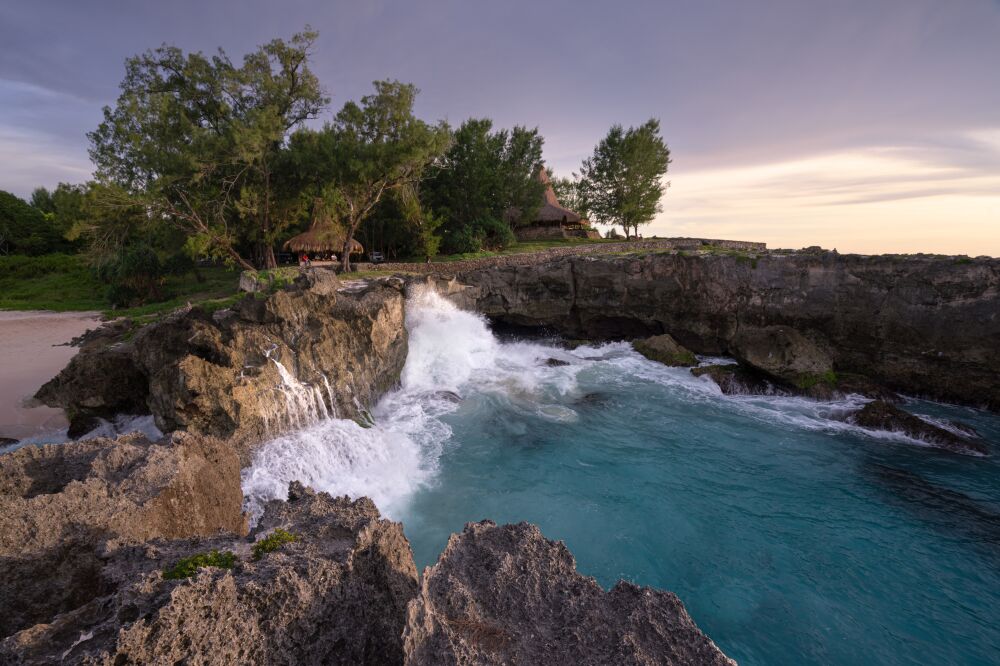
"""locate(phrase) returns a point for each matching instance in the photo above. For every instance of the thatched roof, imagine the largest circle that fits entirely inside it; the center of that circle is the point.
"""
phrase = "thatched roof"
(552, 211)
(324, 235)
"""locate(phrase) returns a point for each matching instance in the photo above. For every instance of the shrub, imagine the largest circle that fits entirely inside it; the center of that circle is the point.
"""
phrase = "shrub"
(273, 542)
(188, 566)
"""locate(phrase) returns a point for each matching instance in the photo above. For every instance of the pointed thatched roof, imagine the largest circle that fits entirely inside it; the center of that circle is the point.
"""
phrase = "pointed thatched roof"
(552, 211)
(324, 235)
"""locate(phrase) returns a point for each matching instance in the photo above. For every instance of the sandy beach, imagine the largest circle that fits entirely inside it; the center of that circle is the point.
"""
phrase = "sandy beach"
(30, 355)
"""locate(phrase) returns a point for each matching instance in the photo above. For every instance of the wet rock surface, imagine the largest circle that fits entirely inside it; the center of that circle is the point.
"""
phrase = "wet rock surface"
(507, 595)
(337, 594)
(735, 379)
(219, 374)
(925, 325)
(783, 353)
(665, 350)
(64, 508)
(881, 415)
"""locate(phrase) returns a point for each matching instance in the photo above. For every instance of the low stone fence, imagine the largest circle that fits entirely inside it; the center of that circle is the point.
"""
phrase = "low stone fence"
(527, 258)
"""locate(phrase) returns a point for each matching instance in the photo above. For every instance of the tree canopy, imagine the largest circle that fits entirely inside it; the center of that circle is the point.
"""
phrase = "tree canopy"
(622, 182)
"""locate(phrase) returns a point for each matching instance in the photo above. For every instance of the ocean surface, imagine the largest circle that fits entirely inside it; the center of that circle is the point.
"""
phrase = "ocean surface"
(791, 536)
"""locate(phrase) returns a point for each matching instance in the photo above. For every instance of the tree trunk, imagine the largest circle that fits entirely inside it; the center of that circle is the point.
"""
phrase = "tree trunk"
(267, 258)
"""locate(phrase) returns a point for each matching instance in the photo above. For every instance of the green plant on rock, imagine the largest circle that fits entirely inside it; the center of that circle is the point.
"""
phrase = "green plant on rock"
(807, 381)
(188, 566)
(273, 542)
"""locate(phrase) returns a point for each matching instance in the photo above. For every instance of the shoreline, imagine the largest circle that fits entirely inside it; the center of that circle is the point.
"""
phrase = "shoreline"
(33, 349)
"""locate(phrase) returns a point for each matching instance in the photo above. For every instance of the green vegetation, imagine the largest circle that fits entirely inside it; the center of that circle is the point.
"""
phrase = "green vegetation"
(207, 160)
(829, 378)
(188, 566)
(622, 183)
(273, 542)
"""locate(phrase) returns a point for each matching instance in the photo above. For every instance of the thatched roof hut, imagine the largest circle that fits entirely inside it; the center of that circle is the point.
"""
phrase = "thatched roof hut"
(324, 235)
(552, 212)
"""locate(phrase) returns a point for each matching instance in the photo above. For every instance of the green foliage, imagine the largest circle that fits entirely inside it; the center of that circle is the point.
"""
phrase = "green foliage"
(485, 175)
(189, 566)
(483, 234)
(372, 150)
(808, 381)
(49, 282)
(25, 229)
(622, 182)
(273, 542)
(193, 140)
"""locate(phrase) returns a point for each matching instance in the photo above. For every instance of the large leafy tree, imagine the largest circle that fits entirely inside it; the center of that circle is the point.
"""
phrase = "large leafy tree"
(26, 230)
(372, 150)
(193, 140)
(485, 176)
(622, 182)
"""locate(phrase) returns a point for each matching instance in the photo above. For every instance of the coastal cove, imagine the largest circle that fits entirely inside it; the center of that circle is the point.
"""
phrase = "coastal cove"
(790, 534)
(797, 489)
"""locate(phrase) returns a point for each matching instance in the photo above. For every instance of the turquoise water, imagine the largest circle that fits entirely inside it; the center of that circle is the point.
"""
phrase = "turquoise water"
(790, 536)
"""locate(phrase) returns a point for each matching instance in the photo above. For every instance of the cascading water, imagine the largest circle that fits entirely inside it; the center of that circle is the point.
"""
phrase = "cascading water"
(791, 535)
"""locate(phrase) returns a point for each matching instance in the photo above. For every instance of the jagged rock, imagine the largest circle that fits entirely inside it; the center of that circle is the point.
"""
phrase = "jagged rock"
(880, 316)
(785, 354)
(65, 507)
(555, 363)
(219, 374)
(665, 349)
(336, 595)
(734, 379)
(880, 415)
(507, 595)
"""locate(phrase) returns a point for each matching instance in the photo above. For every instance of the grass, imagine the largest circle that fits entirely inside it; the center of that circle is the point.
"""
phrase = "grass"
(64, 283)
(188, 566)
(273, 542)
(516, 248)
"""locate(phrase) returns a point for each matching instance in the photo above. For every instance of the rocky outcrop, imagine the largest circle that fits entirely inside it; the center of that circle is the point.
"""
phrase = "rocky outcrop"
(263, 367)
(735, 379)
(783, 353)
(881, 415)
(921, 324)
(334, 593)
(64, 508)
(664, 349)
(507, 595)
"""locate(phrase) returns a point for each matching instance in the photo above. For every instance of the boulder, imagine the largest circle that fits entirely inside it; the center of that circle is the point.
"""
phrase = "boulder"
(666, 350)
(266, 366)
(734, 379)
(508, 595)
(64, 507)
(333, 592)
(881, 415)
(784, 353)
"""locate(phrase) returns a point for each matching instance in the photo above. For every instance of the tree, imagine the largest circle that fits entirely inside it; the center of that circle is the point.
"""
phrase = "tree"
(25, 229)
(193, 139)
(485, 175)
(568, 193)
(372, 150)
(621, 184)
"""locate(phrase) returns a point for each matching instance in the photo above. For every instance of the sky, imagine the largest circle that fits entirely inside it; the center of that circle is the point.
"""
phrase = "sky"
(867, 126)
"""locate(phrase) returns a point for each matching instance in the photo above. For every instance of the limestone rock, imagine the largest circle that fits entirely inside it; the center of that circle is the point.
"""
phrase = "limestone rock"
(267, 366)
(664, 348)
(881, 415)
(336, 595)
(64, 507)
(507, 595)
(784, 353)
(921, 324)
(734, 379)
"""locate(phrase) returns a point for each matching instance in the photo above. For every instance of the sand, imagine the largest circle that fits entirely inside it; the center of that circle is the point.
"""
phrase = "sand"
(29, 357)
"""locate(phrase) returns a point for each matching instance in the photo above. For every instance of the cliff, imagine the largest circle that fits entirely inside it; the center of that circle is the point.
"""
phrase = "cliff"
(925, 325)
(266, 366)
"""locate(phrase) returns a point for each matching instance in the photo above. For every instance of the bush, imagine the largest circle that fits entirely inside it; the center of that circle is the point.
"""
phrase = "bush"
(461, 241)
(187, 567)
(496, 235)
(273, 542)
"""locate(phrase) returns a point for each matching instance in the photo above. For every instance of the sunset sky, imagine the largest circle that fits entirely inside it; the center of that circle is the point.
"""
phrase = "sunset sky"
(867, 126)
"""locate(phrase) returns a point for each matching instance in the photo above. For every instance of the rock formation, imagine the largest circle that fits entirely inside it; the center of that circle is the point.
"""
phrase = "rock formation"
(63, 508)
(336, 594)
(881, 415)
(265, 366)
(507, 595)
(921, 324)
(664, 349)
